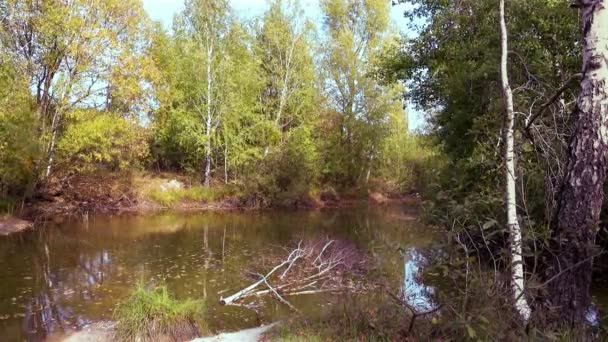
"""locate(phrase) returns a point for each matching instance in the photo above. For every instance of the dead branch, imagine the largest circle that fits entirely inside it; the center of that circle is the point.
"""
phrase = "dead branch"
(552, 100)
(415, 313)
(279, 296)
(251, 287)
(310, 268)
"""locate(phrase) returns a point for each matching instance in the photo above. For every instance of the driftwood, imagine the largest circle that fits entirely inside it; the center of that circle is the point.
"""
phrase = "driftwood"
(310, 268)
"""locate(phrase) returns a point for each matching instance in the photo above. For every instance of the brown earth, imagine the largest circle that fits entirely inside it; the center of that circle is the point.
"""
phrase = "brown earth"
(83, 195)
(10, 225)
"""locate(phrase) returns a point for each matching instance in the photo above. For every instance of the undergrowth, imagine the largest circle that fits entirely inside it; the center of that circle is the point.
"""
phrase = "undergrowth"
(171, 197)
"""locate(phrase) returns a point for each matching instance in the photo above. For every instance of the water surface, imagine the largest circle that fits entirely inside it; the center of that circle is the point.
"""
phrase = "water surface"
(67, 275)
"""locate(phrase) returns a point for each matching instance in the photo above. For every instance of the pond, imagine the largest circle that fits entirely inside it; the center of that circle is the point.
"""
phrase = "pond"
(67, 275)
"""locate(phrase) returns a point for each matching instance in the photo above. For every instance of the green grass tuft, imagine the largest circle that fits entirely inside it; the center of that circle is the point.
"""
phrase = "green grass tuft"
(152, 315)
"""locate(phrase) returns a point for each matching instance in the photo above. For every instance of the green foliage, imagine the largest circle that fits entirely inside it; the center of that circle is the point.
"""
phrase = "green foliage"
(19, 147)
(408, 163)
(179, 142)
(289, 171)
(360, 103)
(94, 140)
(152, 314)
(73, 49)
(269, 105)
(454, 75)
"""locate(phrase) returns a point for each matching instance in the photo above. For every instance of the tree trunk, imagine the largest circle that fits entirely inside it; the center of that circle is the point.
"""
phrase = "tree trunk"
(226, 163)
(207, 175)
(517, 267)
(50, 153)
(580, 197)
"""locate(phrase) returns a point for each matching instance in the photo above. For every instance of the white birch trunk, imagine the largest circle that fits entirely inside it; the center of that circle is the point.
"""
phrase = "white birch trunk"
(517, 266)
(286, 80)
(51, 152)
(208, 120)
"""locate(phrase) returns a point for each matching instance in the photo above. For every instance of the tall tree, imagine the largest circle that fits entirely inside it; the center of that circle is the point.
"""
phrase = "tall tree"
(515, 240)
(581, 195)
(285, 53)
(206, 112)
(208, 21)
(68, 50)
(357, 30)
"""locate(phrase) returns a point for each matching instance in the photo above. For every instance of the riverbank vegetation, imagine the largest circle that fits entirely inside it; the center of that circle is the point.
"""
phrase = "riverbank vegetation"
(278, 106)
(521, 190)
(282, 110)
(151, 314)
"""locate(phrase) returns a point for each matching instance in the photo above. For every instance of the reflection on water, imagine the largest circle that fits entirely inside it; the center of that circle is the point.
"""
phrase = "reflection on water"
(414, 291)
(66, 276)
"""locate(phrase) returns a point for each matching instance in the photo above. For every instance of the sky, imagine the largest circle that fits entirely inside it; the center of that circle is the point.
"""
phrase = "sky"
(164, 10)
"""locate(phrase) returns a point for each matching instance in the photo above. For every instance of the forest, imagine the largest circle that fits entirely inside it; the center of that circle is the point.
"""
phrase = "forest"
(273, 106)
(104, 110)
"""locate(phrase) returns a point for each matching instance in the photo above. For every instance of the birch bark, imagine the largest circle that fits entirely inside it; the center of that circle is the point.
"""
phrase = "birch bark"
(515, 240)
(580, 197)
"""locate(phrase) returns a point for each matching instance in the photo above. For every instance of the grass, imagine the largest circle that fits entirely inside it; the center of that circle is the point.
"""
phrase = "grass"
(348, 318)
(172, 197)
(153, 314)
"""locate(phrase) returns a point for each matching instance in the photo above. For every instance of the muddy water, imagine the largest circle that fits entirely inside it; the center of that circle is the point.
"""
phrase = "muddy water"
(71, 274)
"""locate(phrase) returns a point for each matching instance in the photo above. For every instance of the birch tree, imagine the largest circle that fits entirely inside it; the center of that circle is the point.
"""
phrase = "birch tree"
(283, 43)
(67, 50)
(581, 195)
(515, 236)
(208, 21)
(357, 31)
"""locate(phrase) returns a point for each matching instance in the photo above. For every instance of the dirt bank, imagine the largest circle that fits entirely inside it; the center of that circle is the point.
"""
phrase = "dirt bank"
(10, 225)
(81, 196)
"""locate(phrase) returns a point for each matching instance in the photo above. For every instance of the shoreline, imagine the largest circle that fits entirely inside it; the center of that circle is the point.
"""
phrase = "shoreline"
(37, 213)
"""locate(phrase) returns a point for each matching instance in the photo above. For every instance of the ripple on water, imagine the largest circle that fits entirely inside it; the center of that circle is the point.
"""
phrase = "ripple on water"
(69, 276)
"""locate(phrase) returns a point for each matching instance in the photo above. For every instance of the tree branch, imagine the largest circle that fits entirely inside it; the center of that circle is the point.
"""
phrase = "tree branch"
(544, 106)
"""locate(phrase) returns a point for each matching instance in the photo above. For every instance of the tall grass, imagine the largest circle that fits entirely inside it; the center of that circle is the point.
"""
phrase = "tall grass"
(7, 206)
(172, 197)
(153, 314)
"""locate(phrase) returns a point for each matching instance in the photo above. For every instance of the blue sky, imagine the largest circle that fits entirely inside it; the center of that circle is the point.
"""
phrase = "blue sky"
(164, 10)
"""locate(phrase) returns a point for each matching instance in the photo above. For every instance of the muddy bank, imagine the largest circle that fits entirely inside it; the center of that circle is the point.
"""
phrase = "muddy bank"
(10, 225)
(81, 196)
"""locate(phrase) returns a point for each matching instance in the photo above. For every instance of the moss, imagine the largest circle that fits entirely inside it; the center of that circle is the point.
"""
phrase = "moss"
(153, 314)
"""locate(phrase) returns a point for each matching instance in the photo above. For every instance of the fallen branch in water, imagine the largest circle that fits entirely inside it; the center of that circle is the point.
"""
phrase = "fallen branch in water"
(310, 268)
(251, 287)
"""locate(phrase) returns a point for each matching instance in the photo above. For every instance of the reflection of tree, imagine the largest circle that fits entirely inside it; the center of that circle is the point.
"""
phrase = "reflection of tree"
(48, 310)
(197, 255)
(414, 291)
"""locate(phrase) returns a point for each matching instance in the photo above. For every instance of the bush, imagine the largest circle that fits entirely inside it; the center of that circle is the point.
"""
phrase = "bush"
(152, 314)
(94, 140)
(178, 141)
(287, 173)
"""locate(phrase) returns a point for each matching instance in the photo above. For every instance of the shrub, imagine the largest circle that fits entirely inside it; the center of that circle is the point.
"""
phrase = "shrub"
(152, 314)
(94, 140)
(287, 173)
